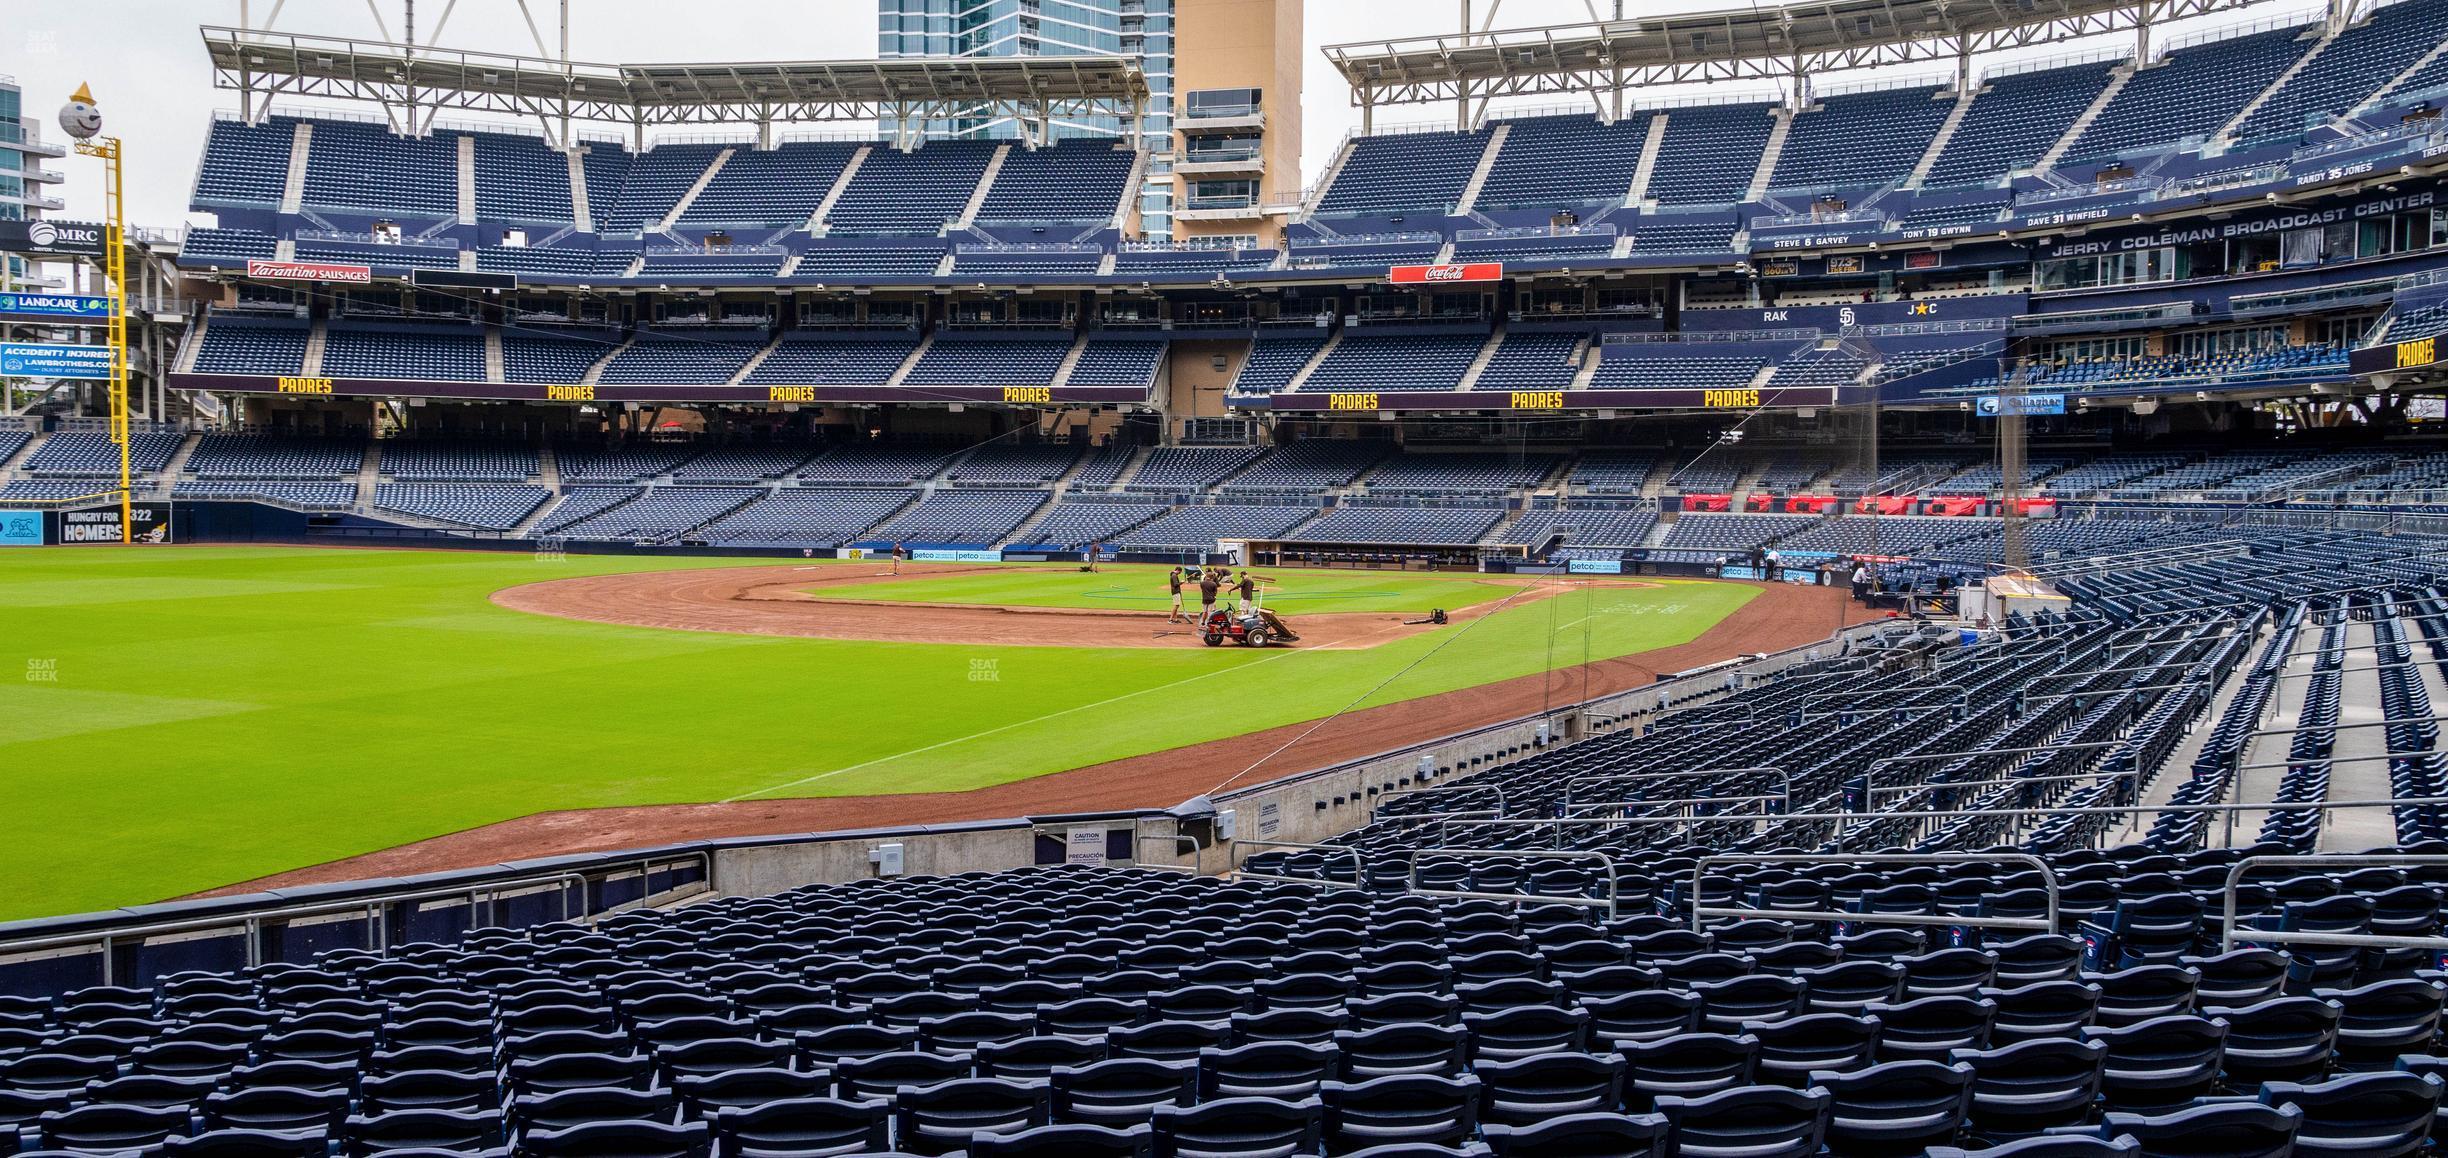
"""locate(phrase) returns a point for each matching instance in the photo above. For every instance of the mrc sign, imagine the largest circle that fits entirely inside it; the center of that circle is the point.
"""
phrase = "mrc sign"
(1447, 274)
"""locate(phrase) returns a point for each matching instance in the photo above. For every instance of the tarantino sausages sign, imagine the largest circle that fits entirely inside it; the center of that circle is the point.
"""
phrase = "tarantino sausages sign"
(320, 271)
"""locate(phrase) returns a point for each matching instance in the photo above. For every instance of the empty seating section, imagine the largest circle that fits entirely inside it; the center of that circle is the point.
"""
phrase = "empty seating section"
(271, 456)
(520, 178)
(321, 496)
(492, 508)
(13, 440)
(1709, 153)
(366, 168)
(2347, 70)
(1363, 523)
(555, 264)
(1889, 535)
(1072, 523)
(703, 358)
(1683, 233)
(806, 517)
(450, 459)
(1103, 467)
(769, 188)
(713, 264)
(581, 504)
(1364, 251)
(2106, 472)
(1956, 214)
(1117, 361)
(958, 517)
(1275, 358)
(1858, 140)
(1027, 261)
(1819, 367)
(1470, 472)
(912, 193)
(741, 464)
(1561, 162)
(404, 352)
(1189, 468)
(875, 465)
(1404, 172)
(619, 463)
(660, 514)
(1191, 260)
(850, 357)
(1025, 466)
(82, 453)
(990, 361)
(1536, 246)
(2189, 94)
(206, 244)
(1073, 182)
(1679, 365)
(236, 345)
(245, 165)
(1731, 532)
(405, 254)
(1200, 528)
(649, 184)
(1364, 361)
(1531, 361)
(542, 356)
(863, 262)
(2013, 121)
(1584, 527)
(1613, 471)
(1308, 466)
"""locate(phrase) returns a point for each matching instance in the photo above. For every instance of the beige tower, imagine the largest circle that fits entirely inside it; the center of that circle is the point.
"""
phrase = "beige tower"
(1236, 117)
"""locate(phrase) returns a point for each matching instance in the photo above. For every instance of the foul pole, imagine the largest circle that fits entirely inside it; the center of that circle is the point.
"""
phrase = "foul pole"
(114, 272)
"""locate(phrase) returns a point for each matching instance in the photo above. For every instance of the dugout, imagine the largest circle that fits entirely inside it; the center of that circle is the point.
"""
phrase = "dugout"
(1376, 556)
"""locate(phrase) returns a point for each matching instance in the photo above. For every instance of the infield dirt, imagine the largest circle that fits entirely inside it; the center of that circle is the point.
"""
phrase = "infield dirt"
(1782, 616)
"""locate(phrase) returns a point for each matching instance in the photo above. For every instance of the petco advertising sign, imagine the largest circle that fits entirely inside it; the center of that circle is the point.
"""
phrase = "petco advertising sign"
(322, 271)
(1445, 274)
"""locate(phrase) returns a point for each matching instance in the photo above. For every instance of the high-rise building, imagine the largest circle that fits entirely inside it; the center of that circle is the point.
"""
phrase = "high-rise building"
(22, 176)
(1137, 30)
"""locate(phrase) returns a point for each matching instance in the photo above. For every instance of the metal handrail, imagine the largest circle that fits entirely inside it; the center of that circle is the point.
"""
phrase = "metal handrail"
(1870, 775)
(2235, 876)
(1928, 785)
(2048, 879)
(1179, 839)
(251, 924)
(1378, 813)
(1570, 781)
(1614, 880)
(1232, 854)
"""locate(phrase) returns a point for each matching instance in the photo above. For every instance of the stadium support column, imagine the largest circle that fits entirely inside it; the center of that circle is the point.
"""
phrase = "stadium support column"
(2010, 433)
(1461, 89)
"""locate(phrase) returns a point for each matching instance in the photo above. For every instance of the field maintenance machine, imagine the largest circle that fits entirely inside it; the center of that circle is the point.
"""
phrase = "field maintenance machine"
(1256, 628)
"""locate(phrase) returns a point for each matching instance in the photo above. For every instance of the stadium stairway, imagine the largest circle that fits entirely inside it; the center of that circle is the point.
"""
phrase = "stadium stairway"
(178, 458)
(2082, 123)
(2226, 132)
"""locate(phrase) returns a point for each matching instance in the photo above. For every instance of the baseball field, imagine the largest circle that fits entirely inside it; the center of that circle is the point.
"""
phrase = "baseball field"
(182, 719)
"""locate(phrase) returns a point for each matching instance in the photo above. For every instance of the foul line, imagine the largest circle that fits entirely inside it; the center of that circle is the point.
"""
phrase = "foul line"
(1285, 654)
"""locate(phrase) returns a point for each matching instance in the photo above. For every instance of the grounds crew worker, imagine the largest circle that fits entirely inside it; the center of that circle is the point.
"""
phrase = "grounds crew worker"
(1248, 587)
(1173, 582)
(1210, 582)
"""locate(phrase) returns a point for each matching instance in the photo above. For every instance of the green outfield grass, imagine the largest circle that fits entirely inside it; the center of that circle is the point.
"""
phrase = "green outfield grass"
(191, 717)
(1142, 588)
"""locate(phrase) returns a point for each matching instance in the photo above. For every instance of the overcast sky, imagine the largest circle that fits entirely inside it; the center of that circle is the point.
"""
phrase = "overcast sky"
(148, 71)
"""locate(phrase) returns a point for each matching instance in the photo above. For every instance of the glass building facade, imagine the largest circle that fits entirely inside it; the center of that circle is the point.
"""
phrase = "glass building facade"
(1138, 30)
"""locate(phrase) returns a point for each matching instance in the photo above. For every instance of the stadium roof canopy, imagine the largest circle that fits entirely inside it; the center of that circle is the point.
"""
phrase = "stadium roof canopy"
(415, 80)
(1764, 43)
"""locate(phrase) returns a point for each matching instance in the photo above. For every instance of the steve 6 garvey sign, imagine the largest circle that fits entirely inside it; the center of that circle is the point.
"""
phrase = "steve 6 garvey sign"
(1446, 274)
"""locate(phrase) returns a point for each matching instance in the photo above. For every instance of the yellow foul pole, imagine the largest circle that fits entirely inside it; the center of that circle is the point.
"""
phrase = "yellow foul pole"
(81, 120)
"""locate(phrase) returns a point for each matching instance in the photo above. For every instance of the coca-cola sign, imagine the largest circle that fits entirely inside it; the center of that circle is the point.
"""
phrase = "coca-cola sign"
(1449, 273)
(319, 271)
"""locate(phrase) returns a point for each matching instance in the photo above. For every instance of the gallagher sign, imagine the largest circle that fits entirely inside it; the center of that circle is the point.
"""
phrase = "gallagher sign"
(1446, 274)
(321, 271)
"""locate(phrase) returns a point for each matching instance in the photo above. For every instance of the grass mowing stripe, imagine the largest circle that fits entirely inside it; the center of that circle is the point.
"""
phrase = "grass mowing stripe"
(386, 700)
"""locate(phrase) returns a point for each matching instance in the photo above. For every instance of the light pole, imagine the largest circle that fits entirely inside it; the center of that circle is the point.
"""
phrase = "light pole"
(82, 121)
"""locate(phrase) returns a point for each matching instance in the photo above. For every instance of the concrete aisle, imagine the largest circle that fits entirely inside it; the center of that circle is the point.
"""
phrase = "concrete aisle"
(2358, 829)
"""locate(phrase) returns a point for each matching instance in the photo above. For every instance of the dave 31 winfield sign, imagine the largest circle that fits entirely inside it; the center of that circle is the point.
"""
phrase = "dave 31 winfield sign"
(1446, 274)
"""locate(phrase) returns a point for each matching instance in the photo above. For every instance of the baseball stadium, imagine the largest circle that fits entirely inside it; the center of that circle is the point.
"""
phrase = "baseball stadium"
(1225, 579)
